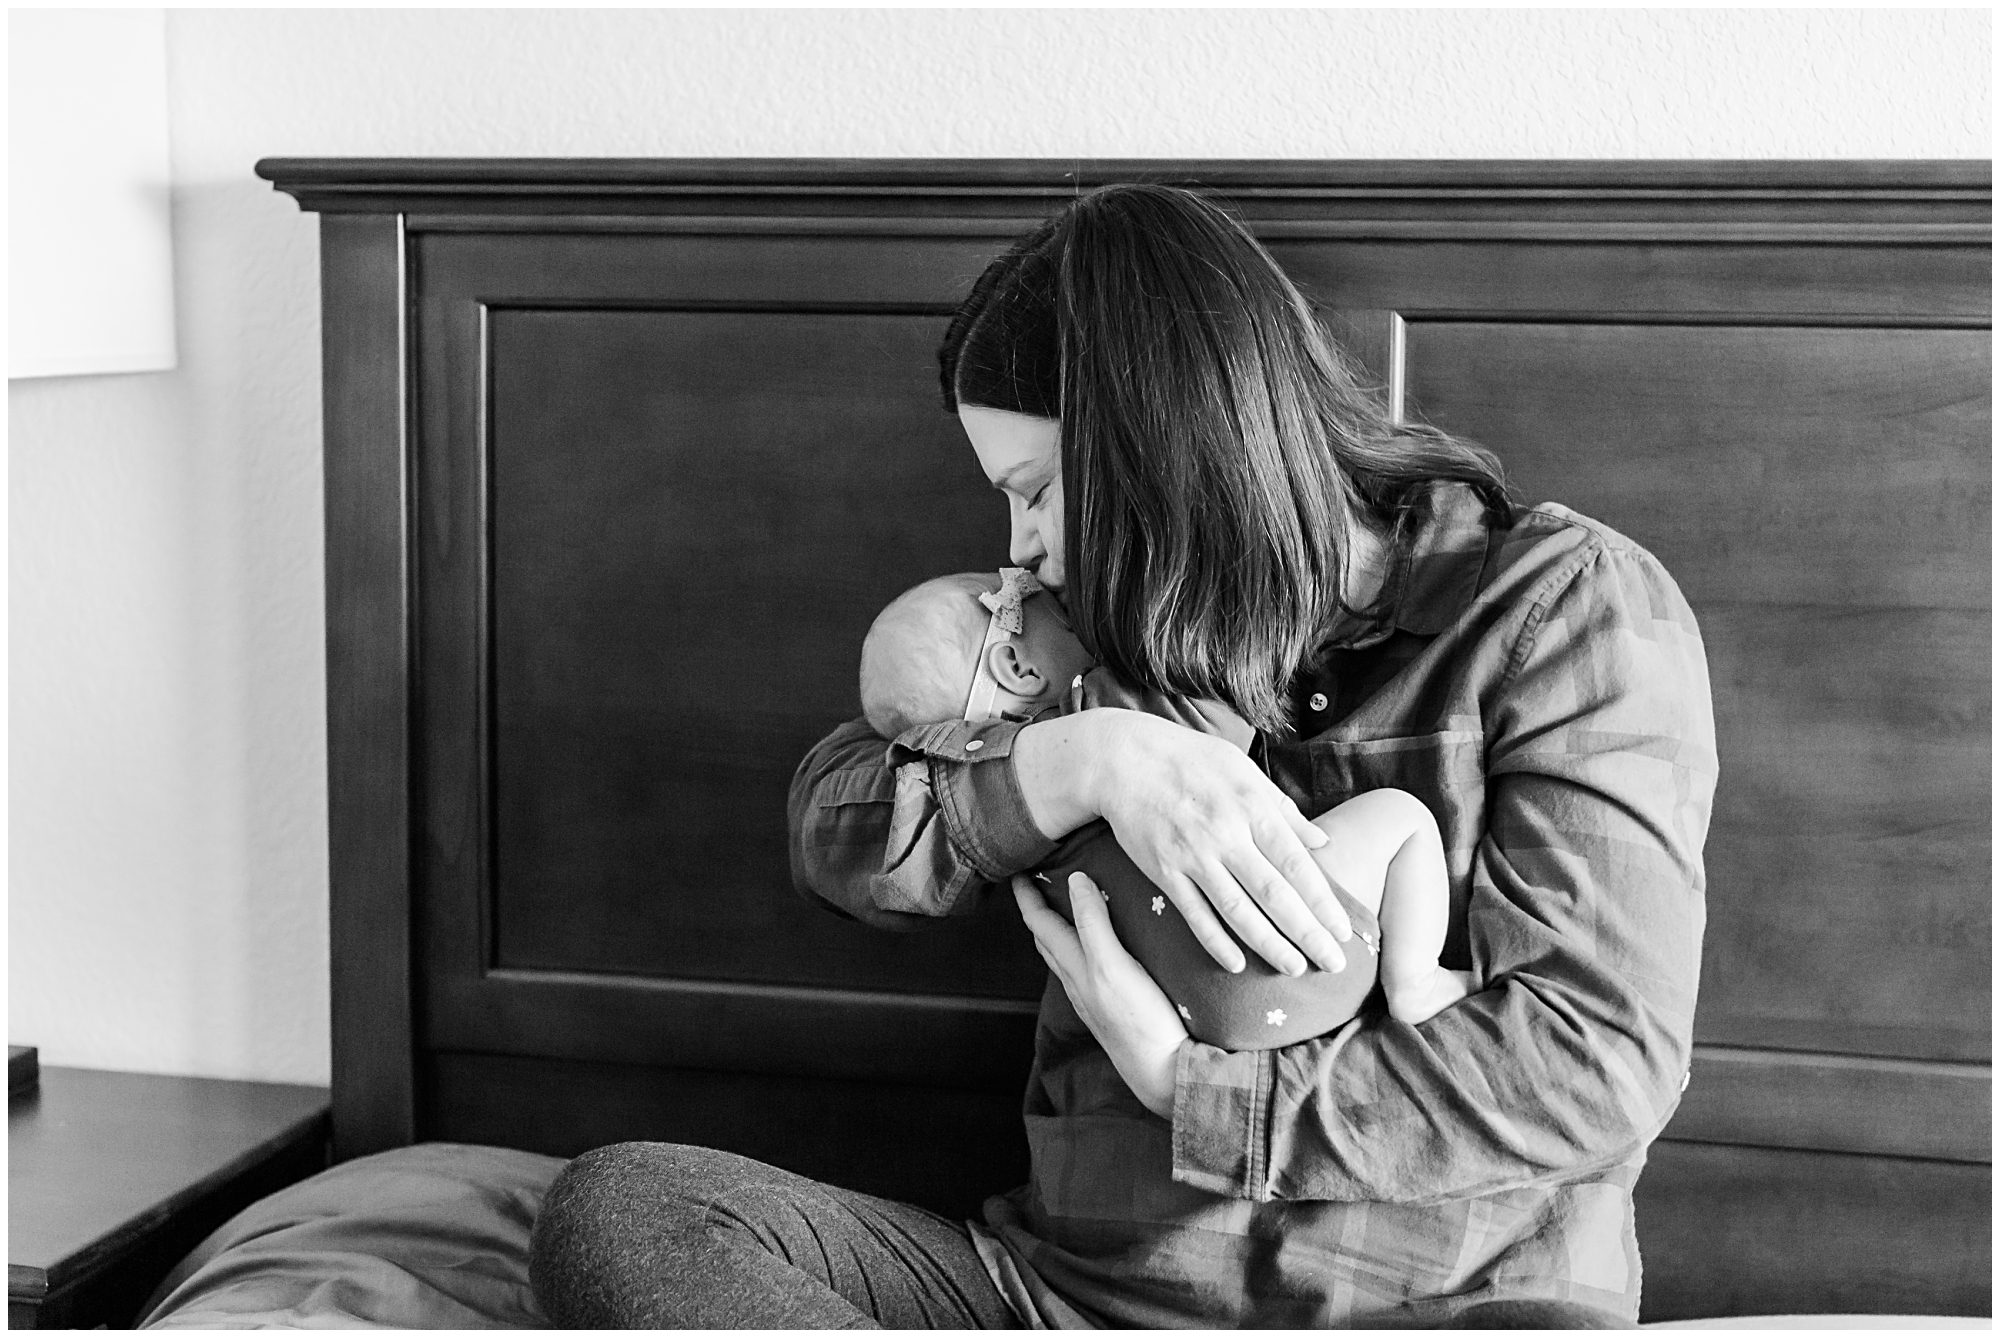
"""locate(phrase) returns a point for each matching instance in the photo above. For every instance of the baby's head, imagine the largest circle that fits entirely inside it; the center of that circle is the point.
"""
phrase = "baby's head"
(929, 648)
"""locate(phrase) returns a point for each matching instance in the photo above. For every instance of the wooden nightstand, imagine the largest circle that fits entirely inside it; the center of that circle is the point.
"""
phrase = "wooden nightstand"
(113, 1177)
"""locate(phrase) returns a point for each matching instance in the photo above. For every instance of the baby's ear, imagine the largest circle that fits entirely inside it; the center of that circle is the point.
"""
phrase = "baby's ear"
(1011, 668)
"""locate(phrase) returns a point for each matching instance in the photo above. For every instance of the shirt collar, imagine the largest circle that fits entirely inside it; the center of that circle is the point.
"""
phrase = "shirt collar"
(1436, 574)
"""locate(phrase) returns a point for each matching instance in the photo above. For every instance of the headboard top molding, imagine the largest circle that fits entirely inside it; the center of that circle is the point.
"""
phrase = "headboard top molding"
(1931, 195)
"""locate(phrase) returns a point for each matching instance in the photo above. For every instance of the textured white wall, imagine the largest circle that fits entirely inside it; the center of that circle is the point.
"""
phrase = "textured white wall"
(167, 863)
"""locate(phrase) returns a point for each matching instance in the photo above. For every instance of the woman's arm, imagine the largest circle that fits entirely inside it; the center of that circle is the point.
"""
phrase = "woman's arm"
(895, 834)
(1198, 819)
(1585, 920)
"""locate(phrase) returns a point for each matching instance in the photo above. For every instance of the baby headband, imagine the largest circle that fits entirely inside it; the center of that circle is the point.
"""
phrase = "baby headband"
(1017, 584)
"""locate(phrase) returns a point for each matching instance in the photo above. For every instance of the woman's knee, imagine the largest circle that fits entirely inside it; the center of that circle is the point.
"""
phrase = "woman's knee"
(661, 1235)
(609, 1212)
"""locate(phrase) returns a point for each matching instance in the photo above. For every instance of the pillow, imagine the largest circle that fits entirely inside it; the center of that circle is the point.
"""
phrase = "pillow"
(427, 1237)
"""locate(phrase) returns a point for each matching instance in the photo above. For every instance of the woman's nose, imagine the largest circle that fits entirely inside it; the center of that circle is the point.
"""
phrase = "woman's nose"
(1024, 546)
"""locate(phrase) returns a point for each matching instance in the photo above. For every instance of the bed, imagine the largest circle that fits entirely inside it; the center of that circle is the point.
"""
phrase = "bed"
(602, 541)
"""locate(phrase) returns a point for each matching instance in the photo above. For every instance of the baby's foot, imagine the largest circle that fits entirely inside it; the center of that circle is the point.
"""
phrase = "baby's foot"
(1425, 998)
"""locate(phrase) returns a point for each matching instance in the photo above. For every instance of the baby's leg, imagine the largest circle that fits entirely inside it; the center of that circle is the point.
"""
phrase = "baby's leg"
(1385, 845)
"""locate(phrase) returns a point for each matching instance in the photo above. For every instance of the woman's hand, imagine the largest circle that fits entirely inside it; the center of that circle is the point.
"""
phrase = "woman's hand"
(1127, 1013)
(1201, 821)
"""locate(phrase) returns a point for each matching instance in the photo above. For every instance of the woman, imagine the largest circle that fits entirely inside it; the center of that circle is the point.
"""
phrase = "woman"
(1227, 514)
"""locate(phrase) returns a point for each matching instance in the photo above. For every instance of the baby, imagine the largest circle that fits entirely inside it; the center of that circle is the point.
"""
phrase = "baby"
(976, 647)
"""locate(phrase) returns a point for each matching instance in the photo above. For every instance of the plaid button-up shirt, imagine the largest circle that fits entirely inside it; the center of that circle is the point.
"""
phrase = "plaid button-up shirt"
(1543, 688)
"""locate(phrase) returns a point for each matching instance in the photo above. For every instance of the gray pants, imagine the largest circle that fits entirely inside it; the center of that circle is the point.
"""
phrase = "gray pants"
(659, 1235)
(664, 1236)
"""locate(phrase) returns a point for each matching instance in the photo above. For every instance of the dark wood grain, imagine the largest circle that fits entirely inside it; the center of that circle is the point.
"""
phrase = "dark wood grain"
(112, 1176)
(1767, 1231)
(1698, 281)
(941, 1040)
(722, 268)
(368, 593)
(1783, 466)
(945, 1149)
(726, 474)
(1823, 498)
(1837, 1103)
(730, 262)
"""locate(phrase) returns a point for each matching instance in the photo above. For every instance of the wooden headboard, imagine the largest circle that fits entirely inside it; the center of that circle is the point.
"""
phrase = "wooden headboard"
(622, 456)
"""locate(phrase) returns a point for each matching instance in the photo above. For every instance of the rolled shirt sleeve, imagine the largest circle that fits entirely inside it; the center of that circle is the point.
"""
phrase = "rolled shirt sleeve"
(1585, 910)
(898, 833)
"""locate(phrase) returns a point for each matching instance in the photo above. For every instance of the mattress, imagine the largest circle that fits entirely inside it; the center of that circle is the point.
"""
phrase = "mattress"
(435, 1236)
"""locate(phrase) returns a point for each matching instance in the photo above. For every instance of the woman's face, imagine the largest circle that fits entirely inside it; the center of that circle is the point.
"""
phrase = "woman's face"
(1022, 457)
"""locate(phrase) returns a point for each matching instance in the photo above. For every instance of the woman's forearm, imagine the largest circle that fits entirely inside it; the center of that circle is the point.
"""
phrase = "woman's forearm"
(1059, 763)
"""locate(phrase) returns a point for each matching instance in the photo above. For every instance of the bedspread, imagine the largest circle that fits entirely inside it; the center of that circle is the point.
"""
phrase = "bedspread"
(433, 1236)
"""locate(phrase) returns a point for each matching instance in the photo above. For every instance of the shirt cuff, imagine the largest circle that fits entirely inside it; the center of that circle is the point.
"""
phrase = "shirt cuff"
(985, 813)
(1222, 1102)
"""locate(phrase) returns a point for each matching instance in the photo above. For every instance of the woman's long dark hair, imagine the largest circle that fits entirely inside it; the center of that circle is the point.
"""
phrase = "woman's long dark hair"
(1218, 449)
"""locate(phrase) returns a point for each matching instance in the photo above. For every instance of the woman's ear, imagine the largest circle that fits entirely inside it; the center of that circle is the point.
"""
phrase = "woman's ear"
(1014, 671)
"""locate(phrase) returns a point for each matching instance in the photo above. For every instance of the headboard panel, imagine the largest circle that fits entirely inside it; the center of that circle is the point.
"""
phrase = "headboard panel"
(623, 456)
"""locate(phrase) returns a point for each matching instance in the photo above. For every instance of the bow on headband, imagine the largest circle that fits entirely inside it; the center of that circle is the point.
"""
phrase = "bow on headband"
(1016, 584)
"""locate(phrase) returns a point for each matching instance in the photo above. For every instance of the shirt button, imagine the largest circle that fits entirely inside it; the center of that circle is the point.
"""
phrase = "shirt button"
(1317, 701)
(974, 745)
